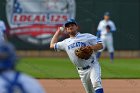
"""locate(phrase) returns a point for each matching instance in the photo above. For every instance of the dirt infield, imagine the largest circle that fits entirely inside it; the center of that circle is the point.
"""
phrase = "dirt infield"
(75, 86)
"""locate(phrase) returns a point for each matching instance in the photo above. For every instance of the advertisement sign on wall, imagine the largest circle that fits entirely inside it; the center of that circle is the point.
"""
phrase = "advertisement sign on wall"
(35, 21)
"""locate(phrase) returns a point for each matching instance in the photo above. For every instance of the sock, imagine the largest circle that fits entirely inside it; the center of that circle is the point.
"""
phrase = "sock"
(99, 90)
(98, 55)
(112, 55)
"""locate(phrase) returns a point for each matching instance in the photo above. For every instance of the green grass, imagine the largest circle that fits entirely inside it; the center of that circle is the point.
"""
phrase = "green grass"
(48, 67)
(121, 68)
(63, 68)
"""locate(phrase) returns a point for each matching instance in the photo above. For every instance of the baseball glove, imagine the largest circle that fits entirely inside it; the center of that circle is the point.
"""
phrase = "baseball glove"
(108, 27)
(84, 52)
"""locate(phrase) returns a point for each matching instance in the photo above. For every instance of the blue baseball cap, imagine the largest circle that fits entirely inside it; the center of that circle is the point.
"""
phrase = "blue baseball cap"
(70, 21)
(106, 14)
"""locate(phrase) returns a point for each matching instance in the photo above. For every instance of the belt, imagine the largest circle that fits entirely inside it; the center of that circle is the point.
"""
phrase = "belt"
(84, 68)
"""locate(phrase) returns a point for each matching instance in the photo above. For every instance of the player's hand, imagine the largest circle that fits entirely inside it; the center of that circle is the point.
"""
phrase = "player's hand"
(60, 30)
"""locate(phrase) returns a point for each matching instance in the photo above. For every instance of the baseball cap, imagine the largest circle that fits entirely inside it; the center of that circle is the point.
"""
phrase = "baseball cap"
(106, 14)
(70, 21)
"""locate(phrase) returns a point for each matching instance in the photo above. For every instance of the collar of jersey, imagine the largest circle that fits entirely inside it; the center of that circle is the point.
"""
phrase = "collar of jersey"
(76, 35)
(107, 20)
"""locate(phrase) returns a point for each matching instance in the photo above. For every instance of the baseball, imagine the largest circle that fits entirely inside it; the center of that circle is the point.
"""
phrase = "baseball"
(61, 29)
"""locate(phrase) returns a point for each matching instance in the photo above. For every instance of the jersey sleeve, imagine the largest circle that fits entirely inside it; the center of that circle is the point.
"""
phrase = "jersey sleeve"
(59, 46)
(113, 27)
(99, 28)
(94, 40)
(98, 40)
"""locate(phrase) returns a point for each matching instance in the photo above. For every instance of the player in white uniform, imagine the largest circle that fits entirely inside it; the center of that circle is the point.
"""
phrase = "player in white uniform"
(105, 29)
(12, 81)
(89, 70)
(2, 31)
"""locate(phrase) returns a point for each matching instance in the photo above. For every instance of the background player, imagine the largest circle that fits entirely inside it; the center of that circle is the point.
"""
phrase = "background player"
(2, 31)
(12, 81)
(105, 29)
(89, 70)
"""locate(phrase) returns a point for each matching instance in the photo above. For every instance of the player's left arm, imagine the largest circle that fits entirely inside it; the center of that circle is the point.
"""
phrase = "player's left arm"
(96, 43)
(113, 27)
(97, 47)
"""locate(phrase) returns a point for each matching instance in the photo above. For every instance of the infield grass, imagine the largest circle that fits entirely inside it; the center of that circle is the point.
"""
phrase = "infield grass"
(63, 68)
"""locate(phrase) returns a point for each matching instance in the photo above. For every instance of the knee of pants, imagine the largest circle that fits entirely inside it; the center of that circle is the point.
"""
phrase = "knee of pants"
(97, 85)
(111, 50)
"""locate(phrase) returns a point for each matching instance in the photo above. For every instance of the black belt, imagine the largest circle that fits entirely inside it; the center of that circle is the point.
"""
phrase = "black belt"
(84, 68)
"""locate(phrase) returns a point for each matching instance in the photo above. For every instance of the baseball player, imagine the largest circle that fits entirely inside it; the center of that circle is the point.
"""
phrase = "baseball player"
(89, 68)
(104, 31)
(12, 81)
(2, 31)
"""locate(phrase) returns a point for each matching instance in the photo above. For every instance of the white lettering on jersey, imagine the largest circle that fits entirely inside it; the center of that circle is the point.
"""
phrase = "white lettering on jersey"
(76, 44)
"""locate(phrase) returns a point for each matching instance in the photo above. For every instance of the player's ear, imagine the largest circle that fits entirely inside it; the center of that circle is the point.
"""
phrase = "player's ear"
(78, 27)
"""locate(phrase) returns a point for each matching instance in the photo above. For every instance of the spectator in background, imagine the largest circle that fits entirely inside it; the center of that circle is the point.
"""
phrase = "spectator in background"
(12, 81)
(2, 31)
(104, 31)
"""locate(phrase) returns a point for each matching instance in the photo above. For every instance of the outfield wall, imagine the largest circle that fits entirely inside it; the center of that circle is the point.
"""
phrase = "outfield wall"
(105, 54)
(88, 13)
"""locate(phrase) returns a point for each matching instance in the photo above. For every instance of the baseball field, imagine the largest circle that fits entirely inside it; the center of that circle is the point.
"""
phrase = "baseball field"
(122, 76)
(63, 68)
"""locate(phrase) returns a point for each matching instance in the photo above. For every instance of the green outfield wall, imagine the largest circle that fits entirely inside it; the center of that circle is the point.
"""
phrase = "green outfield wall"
(88, 13)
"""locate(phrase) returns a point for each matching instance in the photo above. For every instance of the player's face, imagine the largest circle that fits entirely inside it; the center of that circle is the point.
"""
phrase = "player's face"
(71, 29)
(106, 17)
